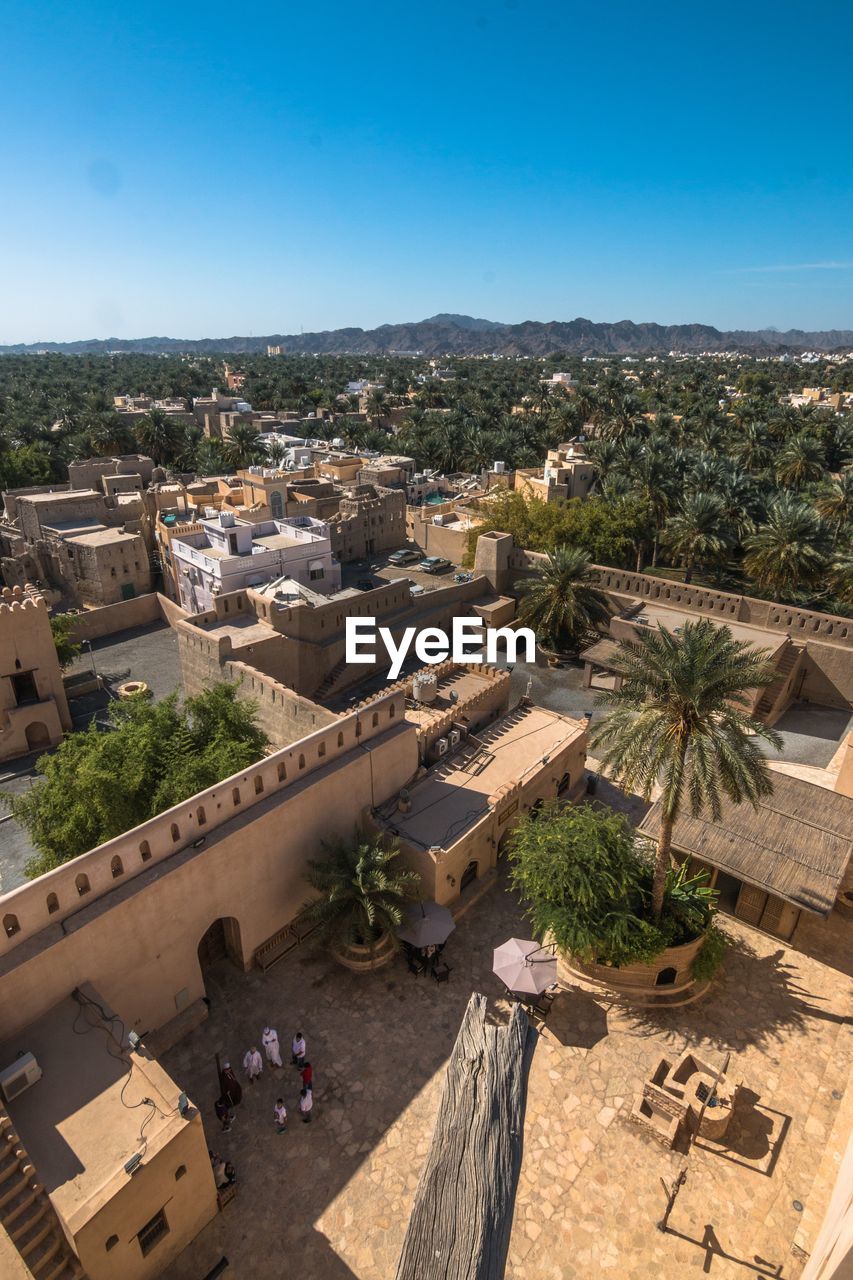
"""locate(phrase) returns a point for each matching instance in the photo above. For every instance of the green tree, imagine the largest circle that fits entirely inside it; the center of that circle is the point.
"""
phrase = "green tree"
(801, 461)
(786, 552)
(562, 603)
(363, 891)
(244, 446)
(586, 881)
(97, 785)
(62, 625)
(697, 533)
(158, 435)
(834, 503)
(680, 720)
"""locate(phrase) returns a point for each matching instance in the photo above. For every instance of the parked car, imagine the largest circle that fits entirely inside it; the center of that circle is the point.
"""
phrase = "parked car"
(365, 584)
(405, 556)
(434, 564)
(416, 588)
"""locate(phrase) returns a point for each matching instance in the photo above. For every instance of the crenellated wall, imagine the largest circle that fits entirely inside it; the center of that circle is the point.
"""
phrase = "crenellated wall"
(59, 894)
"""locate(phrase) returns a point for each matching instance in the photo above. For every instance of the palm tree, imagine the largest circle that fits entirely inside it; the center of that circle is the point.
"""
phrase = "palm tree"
(801, 461)
(841, 578)
(679, 720)
(697, 532)
(377, 405)
(787, 551)
(834, 503)
(157, 434)
(276, 452)
(363, 892)
(562, 604)
(244, 446)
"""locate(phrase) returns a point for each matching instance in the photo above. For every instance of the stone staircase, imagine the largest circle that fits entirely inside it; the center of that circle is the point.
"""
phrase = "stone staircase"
(332, 681)
(767, 705)
(27, 1215)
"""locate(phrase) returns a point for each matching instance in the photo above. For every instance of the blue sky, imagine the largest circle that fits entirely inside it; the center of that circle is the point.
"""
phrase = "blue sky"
(205, 170)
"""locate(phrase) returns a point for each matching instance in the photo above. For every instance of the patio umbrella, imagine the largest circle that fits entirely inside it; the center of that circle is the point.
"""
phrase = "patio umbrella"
(525, 966)
(427, 925)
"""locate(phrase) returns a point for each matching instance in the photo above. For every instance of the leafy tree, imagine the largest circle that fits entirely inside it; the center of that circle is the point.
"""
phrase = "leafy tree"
(244, 446)
(62, 625)
(98, 785)
(562, 603)
(697, 532)
(362, 889)
(586, 880)
(834, 503)
(800, 462)
(786, 552)
(158, 435)
(680, 720)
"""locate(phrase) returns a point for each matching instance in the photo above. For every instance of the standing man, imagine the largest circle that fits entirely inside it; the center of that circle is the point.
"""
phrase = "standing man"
(306, 1102)
(269, 1040)
(253, 1064)
(298, 1047)
(230, 1086)
(280, 1116)
(307, 1076)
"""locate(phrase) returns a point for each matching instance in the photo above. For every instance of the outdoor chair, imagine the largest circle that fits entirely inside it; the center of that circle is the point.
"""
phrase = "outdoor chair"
(441, 972)
(416, 965)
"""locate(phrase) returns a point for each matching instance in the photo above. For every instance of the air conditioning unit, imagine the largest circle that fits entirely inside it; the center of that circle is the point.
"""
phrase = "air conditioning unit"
(24, 1071)
(442, 746)
(455, 736)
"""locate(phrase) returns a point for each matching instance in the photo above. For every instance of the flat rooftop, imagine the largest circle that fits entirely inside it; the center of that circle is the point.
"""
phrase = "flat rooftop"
(280, 541)
(101, 537)
(80, 1122)
(61, 495)
(465, 684)
(673, 620)
(454, 796)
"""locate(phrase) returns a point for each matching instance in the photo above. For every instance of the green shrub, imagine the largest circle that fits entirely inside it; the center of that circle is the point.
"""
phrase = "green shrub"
(711, 955)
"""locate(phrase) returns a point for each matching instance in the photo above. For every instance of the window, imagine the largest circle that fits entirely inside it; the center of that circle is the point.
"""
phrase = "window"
(111, 1243)
(24, 688)
(11, 926)
(282, 773)
(340, 739)
(321, 750)
(116, 868)
(235, 795)
(301, 762)
(259, 785)
(316, 574)
(176, 835)
(180, 1171)
(375, 719)
(82, 883)
(52, 903)
(145, 851)
(152, 1233)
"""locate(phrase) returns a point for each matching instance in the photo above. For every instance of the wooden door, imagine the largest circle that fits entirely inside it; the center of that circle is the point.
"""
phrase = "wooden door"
(750, 904)
(779, 917)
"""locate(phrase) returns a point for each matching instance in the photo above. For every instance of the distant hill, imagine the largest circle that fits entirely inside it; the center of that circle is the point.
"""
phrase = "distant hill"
(453, 335)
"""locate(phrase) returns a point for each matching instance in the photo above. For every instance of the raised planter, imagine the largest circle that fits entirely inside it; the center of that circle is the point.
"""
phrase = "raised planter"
(363, 959)
(674, 966)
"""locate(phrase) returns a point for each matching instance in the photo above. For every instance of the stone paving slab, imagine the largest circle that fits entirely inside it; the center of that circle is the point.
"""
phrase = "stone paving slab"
(331, 1200)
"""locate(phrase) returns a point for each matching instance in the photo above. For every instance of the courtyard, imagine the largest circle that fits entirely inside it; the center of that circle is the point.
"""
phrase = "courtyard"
(332, 1199)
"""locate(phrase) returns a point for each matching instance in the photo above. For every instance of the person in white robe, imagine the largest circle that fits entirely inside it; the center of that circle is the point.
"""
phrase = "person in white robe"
(253, 1064)
(269, 1040)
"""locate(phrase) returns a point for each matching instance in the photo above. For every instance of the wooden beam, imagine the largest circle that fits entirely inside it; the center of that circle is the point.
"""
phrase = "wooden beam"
(462, 1215)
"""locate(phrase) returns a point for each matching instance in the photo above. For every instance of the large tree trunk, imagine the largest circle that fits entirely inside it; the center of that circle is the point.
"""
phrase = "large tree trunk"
(663, 862)
(462, 1214)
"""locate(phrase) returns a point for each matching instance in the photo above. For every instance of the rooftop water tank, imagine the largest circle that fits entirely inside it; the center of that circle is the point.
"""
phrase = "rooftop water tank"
(425, 687)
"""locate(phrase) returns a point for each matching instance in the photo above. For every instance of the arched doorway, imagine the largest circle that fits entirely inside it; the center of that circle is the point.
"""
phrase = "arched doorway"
(37, 736)
(221, 941)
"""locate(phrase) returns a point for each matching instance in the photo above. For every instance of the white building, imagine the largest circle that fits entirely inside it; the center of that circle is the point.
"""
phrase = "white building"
(225, 553)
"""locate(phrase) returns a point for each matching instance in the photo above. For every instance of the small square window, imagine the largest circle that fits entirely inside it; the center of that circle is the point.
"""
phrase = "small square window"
(153, 1232)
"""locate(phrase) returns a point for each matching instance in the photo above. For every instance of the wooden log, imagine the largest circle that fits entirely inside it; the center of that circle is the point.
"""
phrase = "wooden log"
(461, 1219)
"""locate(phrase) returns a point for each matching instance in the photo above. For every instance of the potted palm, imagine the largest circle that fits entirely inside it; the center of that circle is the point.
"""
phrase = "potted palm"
(362, 894)
(562, 604)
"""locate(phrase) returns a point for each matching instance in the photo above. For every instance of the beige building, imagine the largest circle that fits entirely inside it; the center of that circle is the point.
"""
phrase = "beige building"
(370, 520)
(33, 707)
(119, 1150)
(568, 473)
(107, 565)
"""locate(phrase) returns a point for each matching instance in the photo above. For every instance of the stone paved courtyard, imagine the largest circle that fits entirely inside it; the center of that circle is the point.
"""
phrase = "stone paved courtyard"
(331, 1200)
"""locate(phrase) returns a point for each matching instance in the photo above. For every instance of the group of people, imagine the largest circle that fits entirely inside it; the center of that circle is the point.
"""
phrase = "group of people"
(253, 1064)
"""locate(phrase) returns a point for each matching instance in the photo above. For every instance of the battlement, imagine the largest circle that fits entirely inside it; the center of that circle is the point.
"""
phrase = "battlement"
(14, 599)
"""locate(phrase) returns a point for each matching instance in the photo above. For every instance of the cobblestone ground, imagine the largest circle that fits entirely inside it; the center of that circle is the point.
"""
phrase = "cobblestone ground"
(331, 1200)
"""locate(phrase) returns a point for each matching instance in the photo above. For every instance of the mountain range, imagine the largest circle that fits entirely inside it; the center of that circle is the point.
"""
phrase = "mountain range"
(455, 335)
